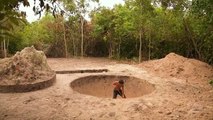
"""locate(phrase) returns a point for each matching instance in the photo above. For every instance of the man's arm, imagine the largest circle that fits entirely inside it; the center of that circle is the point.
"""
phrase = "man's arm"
(114, 83)
(123, 94)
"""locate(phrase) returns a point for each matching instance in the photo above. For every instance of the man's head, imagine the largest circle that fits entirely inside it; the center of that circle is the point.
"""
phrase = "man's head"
(121, 81)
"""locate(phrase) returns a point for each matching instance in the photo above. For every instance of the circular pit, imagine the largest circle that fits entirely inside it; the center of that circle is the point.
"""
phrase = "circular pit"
(101, 86)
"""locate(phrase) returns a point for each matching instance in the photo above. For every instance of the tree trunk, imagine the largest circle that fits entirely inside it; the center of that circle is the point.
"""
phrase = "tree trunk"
(191, 38)
(73, 43)
(8, 42)
(82, 36)
(5, 51)
(1, 50)
(140, 47)
(149, 44)
(110, 46)
(65, 41)
(110, 50)
(119, 48)
(4, 46)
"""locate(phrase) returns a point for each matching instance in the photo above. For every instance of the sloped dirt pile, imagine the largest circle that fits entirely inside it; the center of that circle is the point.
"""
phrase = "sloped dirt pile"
(26, 67)
(177, 66)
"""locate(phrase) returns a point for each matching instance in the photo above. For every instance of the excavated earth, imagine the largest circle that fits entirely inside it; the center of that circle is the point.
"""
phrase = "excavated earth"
(177, 89)
(25, 71)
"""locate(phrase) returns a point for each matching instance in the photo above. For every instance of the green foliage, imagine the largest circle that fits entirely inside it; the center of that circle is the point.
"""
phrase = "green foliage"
(201, 14)
(171, 27)
(123, 21)
(204, 9)
(9, 17)
(37, 33)
(103, 22)
(158, 27)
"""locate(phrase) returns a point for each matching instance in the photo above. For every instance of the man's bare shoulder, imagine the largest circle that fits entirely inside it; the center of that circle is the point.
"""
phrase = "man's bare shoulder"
(115, 82)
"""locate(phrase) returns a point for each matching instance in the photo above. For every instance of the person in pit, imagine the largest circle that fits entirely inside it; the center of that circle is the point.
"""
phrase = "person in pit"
(118, 89)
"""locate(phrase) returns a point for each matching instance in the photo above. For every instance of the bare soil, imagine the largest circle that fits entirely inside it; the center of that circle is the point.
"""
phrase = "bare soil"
(182, 92)
(184, 69)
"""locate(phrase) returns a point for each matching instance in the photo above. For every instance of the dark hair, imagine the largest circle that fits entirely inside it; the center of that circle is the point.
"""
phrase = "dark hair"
(121, 81)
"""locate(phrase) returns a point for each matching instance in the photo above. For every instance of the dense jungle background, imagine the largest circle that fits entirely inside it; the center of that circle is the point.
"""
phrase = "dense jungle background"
(137, 30)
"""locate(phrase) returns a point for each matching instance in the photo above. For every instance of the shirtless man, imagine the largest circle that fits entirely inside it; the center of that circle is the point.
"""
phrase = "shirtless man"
(118, 89)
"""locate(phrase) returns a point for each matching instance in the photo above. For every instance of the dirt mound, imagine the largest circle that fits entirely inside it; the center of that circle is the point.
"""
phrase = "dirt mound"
(177, 66)
(101, 86)
(26, 67)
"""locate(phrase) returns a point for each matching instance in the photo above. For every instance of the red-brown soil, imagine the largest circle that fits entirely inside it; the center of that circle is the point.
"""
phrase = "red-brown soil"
(176, 66)
(182, 92)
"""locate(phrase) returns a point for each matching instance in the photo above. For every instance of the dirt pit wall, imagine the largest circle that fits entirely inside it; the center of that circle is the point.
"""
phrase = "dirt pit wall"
(101, 86)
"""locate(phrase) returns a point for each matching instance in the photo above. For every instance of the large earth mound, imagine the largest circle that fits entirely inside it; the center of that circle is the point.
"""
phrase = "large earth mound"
(28, 67)
(177, 66)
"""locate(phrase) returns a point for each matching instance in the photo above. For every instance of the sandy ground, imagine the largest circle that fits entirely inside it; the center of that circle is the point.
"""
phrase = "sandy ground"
(172, 99)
